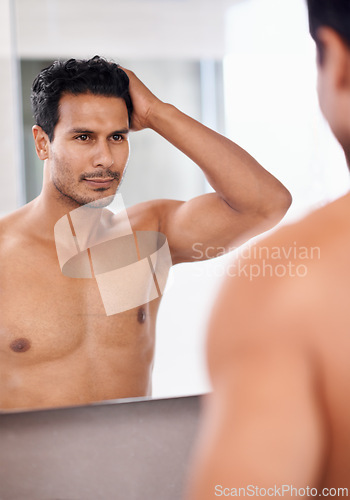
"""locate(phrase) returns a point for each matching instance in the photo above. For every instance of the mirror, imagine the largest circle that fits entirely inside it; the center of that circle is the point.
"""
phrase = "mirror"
(174, 70)
(189, 54)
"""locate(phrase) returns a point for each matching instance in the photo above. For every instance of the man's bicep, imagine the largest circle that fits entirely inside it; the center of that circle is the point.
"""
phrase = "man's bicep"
(205, 227)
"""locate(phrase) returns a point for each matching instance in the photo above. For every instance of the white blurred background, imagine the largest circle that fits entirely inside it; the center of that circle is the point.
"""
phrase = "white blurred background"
(245, 68)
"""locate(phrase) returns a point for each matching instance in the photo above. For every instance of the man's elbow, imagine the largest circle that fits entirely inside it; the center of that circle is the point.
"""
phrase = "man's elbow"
(275, 208)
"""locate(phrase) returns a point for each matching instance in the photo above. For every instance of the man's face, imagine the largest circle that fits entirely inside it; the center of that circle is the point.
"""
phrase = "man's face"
(90, 148)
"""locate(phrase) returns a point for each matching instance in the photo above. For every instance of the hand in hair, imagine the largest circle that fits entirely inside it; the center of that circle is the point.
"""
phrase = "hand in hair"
(144, 103)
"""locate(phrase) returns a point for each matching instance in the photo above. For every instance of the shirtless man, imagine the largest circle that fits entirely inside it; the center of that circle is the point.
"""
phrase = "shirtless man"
(57, 345)
(278, 422)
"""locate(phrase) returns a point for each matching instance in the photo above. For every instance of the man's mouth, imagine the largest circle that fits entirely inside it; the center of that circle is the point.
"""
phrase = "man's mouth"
(100, 182)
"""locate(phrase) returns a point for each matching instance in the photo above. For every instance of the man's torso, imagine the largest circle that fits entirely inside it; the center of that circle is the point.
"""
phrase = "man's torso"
(57, 345)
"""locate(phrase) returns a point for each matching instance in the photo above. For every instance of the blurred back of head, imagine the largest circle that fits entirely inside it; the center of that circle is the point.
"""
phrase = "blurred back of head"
(334, 14)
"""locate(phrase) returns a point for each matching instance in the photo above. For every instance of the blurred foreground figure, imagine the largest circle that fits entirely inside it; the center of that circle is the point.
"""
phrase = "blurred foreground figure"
(278, 422)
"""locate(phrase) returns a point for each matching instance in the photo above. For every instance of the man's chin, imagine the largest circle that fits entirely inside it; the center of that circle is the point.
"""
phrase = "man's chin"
(102, 198)
(100, 202)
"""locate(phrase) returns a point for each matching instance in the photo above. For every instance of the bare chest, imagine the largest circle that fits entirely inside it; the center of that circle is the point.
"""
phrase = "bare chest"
(45, 315)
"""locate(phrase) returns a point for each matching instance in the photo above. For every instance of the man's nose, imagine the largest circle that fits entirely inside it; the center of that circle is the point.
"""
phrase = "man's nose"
(103, 155)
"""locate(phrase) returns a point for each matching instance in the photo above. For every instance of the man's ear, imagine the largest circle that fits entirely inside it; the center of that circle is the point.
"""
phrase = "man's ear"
(335, 58)
(42, 142)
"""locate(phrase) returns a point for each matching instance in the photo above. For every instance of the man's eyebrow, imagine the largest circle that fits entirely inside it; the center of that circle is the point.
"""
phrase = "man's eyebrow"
(122, 131)
(80, 131)
(83, 131)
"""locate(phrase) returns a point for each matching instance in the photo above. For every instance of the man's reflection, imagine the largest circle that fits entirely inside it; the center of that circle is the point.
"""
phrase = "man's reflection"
(58, 346)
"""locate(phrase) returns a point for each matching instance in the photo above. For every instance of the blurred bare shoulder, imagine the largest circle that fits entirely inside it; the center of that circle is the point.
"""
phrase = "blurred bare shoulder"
(287, 287)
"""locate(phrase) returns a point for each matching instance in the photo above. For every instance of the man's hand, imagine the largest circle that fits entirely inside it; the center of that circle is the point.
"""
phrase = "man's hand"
(143, 102)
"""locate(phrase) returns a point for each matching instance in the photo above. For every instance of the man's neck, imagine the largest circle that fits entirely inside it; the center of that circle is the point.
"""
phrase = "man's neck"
(50, 206)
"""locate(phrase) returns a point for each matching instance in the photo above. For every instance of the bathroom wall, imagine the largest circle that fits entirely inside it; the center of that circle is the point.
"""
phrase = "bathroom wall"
(11, 193)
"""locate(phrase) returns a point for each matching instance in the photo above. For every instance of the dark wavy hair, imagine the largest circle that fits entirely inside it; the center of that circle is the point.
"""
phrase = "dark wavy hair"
(96, 76)
(334, 14)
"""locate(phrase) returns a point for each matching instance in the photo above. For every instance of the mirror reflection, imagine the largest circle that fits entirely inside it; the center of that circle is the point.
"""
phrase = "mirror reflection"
(65, 346)
(93, 337)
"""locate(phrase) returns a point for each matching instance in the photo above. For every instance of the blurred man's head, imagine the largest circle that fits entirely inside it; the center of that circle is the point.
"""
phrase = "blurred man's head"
(334, 14)
(330, 28)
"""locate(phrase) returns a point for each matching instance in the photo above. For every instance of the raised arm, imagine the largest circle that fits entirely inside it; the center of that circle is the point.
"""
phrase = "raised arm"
(247, 198)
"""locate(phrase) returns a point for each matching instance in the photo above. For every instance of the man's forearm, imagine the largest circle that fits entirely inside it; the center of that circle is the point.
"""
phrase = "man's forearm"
(235, 175)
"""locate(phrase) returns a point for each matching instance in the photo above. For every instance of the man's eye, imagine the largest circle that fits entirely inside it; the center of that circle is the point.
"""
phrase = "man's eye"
(83, 137)
(117, 137)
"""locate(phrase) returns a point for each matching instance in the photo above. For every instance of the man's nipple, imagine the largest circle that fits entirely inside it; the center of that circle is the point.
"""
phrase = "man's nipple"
(20, 345)
(141, 315)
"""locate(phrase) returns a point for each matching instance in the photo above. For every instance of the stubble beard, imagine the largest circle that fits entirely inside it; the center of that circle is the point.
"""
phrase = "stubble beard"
(69, 196)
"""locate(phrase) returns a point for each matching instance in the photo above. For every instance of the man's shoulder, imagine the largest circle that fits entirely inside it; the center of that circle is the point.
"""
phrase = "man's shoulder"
(150, 215)
(325, 231)
(8, 221)
(285, 287)
(326, 224)
(12, 226)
